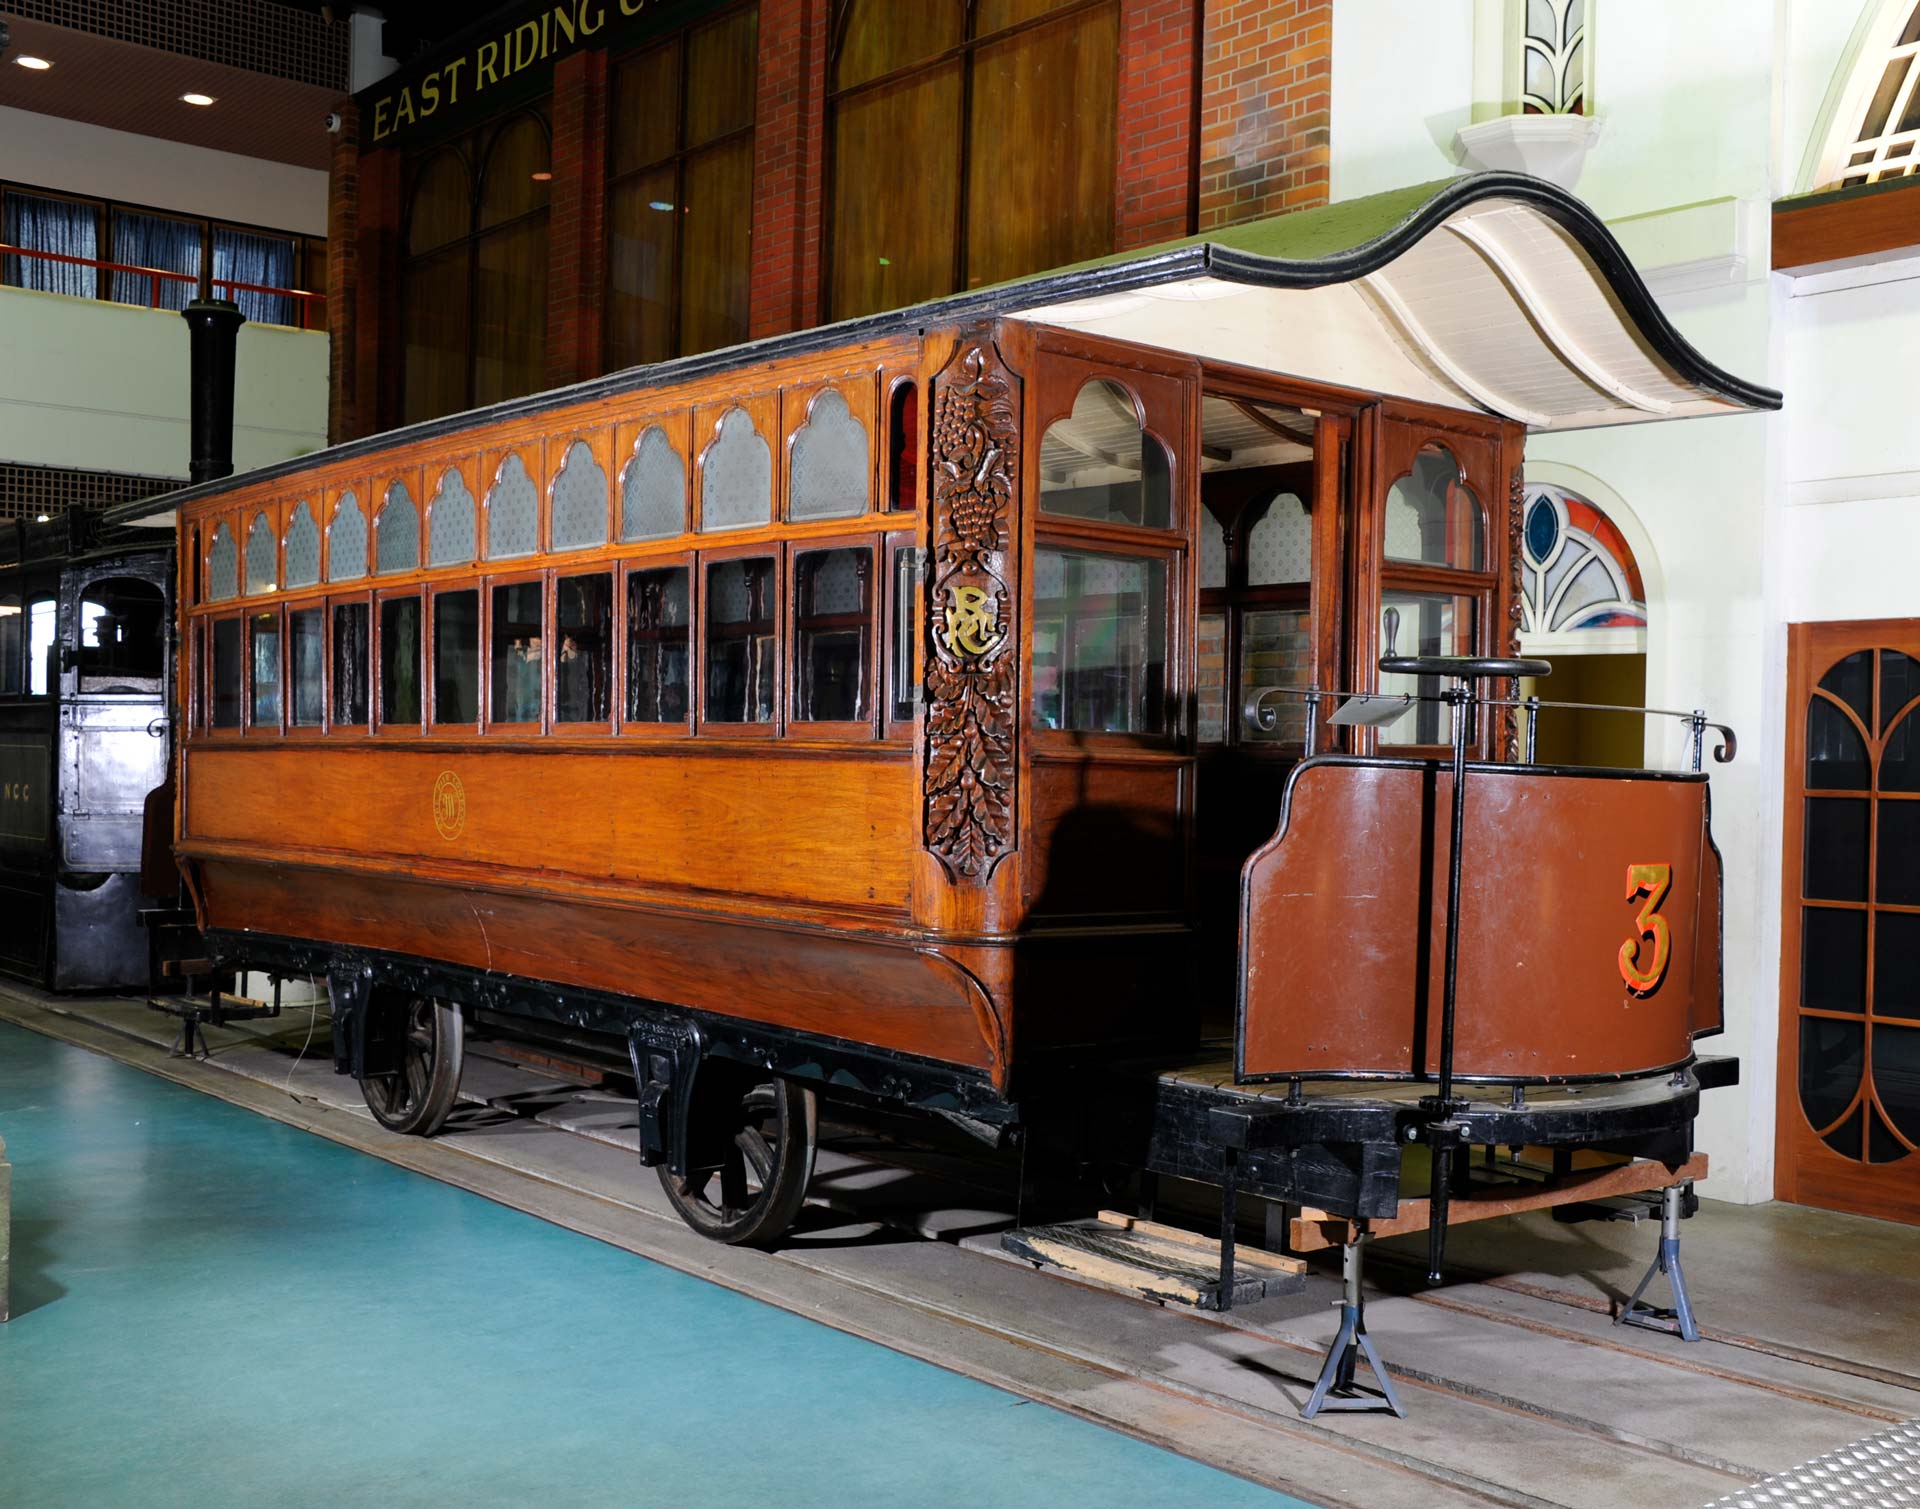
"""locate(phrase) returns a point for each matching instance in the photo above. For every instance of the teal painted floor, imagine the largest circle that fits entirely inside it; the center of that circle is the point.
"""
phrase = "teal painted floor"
(212, 1309)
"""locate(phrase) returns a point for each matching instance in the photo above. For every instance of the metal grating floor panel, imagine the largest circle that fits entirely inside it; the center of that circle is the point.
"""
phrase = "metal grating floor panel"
(1878, 1472)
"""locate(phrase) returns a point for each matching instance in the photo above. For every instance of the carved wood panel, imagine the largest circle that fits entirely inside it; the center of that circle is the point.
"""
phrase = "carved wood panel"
(973, 643)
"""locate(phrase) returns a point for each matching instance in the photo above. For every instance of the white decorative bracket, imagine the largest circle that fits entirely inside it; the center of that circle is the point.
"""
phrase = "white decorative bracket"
(1553, 147)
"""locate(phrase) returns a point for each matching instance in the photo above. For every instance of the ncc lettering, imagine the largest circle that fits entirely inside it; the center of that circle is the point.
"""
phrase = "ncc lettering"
(16, 791)
(556, 29)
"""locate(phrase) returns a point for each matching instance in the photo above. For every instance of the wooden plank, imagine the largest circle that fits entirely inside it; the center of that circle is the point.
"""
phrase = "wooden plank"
(1182, 1270)
(1847, 224)
(1316, 1229)
(1257, 1257)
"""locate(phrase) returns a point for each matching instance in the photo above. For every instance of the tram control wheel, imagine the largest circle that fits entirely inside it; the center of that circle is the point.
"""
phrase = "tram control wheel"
(430, 1043)
(751, 1161)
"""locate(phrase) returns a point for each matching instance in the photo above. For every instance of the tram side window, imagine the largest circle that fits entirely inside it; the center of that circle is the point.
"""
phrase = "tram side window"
(740, 640)
(122, 636)
(832, 635)
(351, 659)
(226, 673)
(1099, 464)
(1423, 623)
(400, 662)
(42, 614)
(263, 641)
(1099, 642)
(306, 662)
(583, 659)
(519, 637)
(456, 657)
(11, 647)
(658, 621)
(903, 680)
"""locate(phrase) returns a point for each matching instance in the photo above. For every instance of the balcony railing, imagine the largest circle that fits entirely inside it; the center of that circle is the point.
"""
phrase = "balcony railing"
(310, 308)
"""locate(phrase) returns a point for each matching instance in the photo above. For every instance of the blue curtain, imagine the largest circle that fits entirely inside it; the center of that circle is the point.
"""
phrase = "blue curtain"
(54, 225)
(265, 260)
(155, 241)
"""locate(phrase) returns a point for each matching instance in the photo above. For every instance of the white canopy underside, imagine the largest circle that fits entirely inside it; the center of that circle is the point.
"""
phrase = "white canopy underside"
(1498, 309)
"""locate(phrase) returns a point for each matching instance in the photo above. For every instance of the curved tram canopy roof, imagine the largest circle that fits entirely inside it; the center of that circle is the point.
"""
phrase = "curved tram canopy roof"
(1494, 291)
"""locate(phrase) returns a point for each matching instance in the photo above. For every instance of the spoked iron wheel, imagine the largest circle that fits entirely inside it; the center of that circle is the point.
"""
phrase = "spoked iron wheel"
(427, 1041)
(752, 1162)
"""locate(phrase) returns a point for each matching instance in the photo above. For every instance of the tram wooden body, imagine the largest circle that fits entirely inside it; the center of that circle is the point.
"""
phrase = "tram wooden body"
(882, 712)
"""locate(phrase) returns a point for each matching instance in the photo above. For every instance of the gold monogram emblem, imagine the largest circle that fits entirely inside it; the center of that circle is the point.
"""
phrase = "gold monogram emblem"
(449, 805)
(971, 626)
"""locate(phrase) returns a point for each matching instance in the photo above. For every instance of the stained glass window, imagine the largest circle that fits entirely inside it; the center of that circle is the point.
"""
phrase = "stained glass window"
(303, 548)
(1578, 571)
(1553, 62)
(347, 541)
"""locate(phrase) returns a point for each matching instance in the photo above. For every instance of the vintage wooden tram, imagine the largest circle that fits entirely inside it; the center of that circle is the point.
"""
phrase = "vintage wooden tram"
(888, 711)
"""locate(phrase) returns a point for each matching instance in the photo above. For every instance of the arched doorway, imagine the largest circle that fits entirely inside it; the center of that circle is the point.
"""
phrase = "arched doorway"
(1583, 607)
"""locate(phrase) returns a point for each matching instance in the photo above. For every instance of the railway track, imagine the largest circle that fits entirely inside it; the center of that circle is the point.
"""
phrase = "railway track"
(1522, 1393)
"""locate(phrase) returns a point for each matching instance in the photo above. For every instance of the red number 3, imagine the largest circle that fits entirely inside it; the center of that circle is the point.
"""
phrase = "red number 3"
(1653, 880)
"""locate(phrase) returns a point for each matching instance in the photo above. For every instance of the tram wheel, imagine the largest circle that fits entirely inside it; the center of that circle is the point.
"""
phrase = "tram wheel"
(430, 1043)
(751, 1175)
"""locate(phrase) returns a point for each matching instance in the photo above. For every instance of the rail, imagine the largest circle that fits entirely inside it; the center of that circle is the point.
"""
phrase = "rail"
(312, 307)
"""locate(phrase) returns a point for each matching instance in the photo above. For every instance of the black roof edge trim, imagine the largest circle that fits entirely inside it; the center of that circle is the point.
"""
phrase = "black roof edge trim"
(1195, 259)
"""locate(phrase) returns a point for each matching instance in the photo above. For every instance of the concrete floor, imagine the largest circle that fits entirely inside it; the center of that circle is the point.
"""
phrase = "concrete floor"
(1521, 1391)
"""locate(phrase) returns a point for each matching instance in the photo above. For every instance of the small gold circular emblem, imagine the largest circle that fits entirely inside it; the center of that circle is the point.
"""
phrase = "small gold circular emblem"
(449, 805)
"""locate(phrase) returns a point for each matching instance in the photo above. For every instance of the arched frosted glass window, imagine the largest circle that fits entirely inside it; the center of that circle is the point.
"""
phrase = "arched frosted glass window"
(513, 512)
(1876, 124)
(263, 556)
(347, 541)
(832, 473)
(736, 487)
(450, 521)
(579, 501)
(397, 533)
(653, 489)
(1098, 463)
(1433, 517)
(223, 566)
(1280, 547)
(303, 548)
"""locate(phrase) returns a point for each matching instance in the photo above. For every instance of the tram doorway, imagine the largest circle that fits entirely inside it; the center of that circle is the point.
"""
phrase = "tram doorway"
(1848, 1111)
(1610, 739)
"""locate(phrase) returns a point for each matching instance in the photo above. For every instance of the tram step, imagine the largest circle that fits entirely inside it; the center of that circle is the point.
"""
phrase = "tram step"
(185, 968)
(1157, 1262)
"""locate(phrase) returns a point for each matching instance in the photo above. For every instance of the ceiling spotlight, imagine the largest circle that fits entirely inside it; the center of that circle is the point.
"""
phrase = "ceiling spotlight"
(43, 518)
(38, 65)
(197, 99)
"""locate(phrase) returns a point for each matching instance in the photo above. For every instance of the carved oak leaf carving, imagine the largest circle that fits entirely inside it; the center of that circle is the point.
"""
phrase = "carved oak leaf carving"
(1516, 500)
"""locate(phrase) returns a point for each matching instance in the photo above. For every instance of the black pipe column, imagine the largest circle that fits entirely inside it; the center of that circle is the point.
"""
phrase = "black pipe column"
(215, 328)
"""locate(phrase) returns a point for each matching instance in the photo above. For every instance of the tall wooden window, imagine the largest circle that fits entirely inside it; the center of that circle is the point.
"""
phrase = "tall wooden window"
(680, 192)
(972, 140)
(473, 292)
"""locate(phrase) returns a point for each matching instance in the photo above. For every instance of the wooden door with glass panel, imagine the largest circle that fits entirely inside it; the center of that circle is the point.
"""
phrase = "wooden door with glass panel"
(1848, 1113)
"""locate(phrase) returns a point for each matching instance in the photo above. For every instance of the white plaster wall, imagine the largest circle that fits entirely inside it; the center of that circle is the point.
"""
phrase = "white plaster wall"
(51, 152)
(1402, 86)
(100, 386)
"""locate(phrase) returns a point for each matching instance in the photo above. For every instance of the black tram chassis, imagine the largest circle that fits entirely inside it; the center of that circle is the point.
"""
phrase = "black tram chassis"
(1338, 1153)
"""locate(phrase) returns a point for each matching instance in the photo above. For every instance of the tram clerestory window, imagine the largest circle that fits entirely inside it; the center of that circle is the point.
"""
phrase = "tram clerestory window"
(1099, 642)
(740, 640)
(832, 635)
(306, 666)
(519, 637)
(456, 657)
(583, 657)
(263, 641)
(226, 673)
(400, 662)
(658, 621)
(1099, 464)
(351, 658)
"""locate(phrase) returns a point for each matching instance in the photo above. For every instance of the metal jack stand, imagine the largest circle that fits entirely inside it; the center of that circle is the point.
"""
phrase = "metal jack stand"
(1679, 1320)
(1335, 1388)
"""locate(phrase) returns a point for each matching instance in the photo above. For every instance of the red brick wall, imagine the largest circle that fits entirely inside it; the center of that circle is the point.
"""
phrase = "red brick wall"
(1153, 179)
(789, 165)
(1264, 101)
(343, 276)
(576, 219)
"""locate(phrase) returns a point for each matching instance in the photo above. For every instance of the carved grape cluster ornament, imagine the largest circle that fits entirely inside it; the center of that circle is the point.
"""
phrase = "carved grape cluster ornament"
(970, 665)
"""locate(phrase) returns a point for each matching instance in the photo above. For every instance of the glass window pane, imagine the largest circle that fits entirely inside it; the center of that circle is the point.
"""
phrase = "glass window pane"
(579, 500)
(510, 311)
(512, 185)
(736, 479)
(226, 673)
(351, 660)
(1832, 1058)
(721, 76)
(450, 521)
(832, 635)
(518, 639)
(903, 672)
(1275, 648)
(1423, 623)
(1433, 516)
(1851, 680)
(1899, 849)
(1836, 754)
(1896, 964)
(1835, 866)
(400, 662)
(1899, 685)
(1099, 642)
(347, 541)
(122, 635)
(1212, 685)
(657, 624)
(740, 641)
(903, 472)
(159, 242)
(646, 108)
(879, 36)
(1213, 552)
(263, 558)
(223, 566)
(1900, 756)
(653, 489)
(303, 548)
(1896, 1078)
(715, 224)
(1098, 463)
(43, 616)
(67, 227)
(306, 665)
(434, 332)
(440, 209)
(13, 662)
(1833, 959)
(832, 468)
(583, 667)
(1280, 545)
(513, 512)
(996, 15)
(247, 258)
(397, 533)
(456, 657)
(642, 219)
